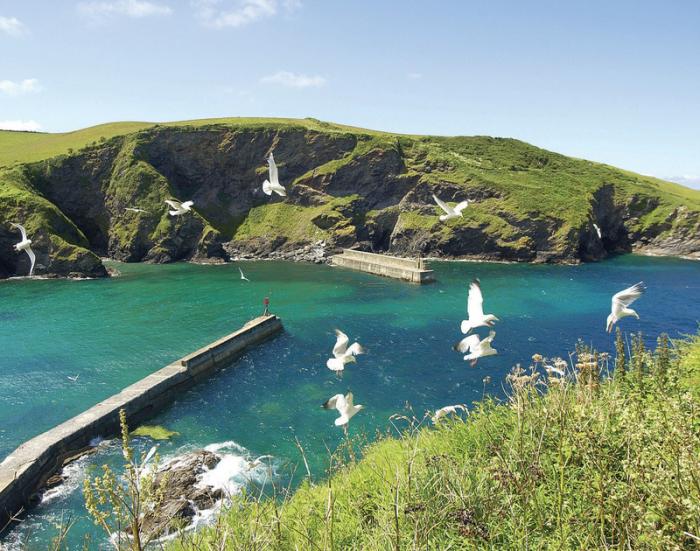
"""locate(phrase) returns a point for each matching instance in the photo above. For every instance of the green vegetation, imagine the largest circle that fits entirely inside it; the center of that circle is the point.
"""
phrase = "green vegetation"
(345, 184)
(154, 432)
(592, 461)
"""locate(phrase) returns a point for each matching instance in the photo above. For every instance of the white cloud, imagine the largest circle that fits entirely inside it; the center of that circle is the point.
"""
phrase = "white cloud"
(294, 80)
(26, 126)
(26, 86)
(689, 180)
(129, 8)
(12, 26)
(219, 14)
(415, 76)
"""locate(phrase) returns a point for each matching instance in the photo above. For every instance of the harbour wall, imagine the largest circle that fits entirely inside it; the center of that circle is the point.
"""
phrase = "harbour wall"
(406, 269)
(27, 469)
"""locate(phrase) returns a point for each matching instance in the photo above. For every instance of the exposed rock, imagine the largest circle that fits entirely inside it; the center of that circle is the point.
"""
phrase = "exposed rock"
(183, 493)
(345, 188)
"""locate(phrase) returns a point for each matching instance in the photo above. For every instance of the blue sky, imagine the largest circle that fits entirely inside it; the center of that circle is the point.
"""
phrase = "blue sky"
(611, 81)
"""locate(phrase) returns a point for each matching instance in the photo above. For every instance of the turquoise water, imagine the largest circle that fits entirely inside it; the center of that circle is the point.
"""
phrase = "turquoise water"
(110, 333)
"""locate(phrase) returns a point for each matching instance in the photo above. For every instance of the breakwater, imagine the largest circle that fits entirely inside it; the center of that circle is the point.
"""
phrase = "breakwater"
(26, 469)
(406, 269)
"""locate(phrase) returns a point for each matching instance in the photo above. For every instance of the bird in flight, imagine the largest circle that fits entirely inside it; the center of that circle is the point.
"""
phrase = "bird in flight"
(134, 209)
(621, 304)
(475, 348)
(179, 208)
(273, 184)
(450, 212)
(475, 310)
(258, 461)
(243, 277)
(74, 378)
(344, 406)
(342, 353)
(597, 230)
(447, 410)
(25, 245)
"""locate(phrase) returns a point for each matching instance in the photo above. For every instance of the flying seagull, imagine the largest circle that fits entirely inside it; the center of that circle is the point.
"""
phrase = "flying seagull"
(450, 212)
(179, 208)
(553, 370)
(447, 410)
(258, 461)
(134, 209)
(597, 230)
(74, 378)
(475, 310)
(344, 406)
(243, 277)
(273, 184)
(621, 302)
(342, 353)
(476, 348)
(25, 245)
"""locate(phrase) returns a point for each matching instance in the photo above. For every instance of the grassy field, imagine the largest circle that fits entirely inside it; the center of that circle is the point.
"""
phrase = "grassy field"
(595, 462)
(26, 147)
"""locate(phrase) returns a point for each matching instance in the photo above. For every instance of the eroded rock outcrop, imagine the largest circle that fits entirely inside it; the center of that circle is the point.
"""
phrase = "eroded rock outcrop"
(345, 188)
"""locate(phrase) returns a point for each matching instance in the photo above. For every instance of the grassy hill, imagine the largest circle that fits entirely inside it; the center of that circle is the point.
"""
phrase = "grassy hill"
(346, 186)
(595, 462)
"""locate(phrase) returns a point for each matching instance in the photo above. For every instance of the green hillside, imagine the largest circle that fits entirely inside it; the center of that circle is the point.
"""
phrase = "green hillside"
(346, 187)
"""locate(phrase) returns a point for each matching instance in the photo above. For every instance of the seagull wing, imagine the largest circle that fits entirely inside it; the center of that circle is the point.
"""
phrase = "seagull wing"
(332, 402)
(20, 227)
(32, 258)
(355, 349)
(341, 344)
(242, 276)
(187, 204)
(626, 297)
(467, 343)
(173, 204)
(475, 301)
(461, 206)
(347, 403)
(442, 204)
(274, 177)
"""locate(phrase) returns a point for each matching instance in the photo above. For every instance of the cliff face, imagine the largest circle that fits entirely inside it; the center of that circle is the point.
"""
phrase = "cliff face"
(345, 187)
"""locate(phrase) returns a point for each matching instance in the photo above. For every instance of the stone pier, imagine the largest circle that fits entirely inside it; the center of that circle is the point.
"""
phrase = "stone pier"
(27, 469)
(406, 269)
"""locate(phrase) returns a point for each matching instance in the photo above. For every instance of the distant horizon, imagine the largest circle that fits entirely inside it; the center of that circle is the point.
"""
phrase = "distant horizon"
(689, 181)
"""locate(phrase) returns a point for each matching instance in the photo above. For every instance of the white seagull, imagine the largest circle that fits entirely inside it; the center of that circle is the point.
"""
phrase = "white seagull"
(25, 245)
(342, 353)
(597, 230)
(621, 302)
(134, 209)
(553, 370)
(73, 378)
(258, 461)
(450, 212)
(475, 310)
(273, 184)
(243, 277)
(179, 208)
(477, 348)
(447, 410)
(344, 406)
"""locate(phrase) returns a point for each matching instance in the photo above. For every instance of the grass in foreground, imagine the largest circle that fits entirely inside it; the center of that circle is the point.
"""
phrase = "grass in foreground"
(596, 461)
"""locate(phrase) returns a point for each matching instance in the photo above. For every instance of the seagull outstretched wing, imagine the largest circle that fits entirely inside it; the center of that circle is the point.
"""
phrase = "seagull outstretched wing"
(341, 344)
(475, 301)
(20, 227)
(624, 298)
(442, 204)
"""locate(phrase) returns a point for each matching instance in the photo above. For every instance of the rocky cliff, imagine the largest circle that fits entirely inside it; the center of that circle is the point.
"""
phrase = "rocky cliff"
(346, 187)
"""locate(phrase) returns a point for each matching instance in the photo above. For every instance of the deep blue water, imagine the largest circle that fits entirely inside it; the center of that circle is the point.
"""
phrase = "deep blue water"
(112, 332)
